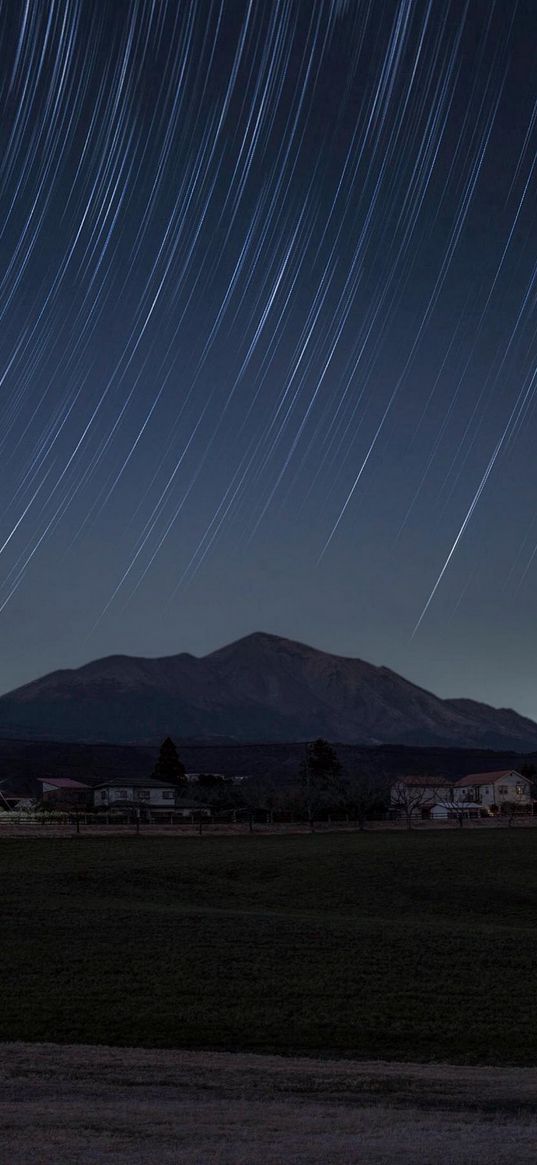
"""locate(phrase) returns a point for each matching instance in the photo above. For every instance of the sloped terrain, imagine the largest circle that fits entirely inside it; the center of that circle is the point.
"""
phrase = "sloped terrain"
(260, 688)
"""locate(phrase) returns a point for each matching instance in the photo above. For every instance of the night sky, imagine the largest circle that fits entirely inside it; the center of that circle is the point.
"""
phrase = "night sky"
(268, 338)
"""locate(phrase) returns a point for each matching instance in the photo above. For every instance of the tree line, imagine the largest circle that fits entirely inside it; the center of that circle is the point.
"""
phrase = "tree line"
(322, 785)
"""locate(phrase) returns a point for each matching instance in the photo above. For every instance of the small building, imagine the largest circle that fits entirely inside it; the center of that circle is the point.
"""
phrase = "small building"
(193, 777)
(455, 807)
(188, 809)
(9, 801)
(64, 793)
(492, 790)
(16, 803)
(210, 778)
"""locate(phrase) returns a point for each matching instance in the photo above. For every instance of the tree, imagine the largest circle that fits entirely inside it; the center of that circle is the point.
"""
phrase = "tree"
(364, 793)
(268, 796)
(530, 771)
(217, 791)
(169, 767)
(320, 774)
(518, 806)
(409, 798)
(454, 802)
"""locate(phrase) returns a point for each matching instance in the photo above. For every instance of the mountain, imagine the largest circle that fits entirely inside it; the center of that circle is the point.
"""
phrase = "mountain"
(260, 688)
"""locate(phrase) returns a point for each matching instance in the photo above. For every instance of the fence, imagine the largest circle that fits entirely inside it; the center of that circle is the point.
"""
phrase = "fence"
(67, 825)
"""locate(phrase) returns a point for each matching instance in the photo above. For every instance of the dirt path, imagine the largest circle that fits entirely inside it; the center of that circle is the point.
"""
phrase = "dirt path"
(78, 1105)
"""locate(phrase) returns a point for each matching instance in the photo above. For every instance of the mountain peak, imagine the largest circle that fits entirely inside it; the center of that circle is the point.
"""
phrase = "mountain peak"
(261, 640)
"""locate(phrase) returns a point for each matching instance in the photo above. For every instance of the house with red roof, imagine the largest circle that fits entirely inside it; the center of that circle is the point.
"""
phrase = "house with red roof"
(64, 793)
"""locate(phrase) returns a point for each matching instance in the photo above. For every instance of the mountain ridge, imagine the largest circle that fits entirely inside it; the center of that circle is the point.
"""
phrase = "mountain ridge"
(260, 687)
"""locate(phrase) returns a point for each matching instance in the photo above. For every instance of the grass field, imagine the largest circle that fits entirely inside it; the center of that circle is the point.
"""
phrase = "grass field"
(78, 1105)
(412, 947)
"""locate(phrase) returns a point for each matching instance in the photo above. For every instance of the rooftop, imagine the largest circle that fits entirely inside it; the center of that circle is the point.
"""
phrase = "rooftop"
(63, 783)
(487, 778)
(135, 783)
(421, 782)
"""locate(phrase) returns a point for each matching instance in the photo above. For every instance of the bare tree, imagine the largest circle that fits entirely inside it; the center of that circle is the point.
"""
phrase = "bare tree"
(410, 797)
(364, 793)
(518, 806)
(261, 793)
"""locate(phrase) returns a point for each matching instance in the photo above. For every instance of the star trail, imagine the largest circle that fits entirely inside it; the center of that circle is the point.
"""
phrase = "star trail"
(267, 350)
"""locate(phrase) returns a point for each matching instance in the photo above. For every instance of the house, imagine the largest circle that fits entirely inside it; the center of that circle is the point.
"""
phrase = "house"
(417, 795)
(125, 792)
(492, 790)
(64, 793)
(147, 794)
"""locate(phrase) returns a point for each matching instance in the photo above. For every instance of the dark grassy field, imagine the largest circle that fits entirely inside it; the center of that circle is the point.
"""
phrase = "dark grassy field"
(411, 947)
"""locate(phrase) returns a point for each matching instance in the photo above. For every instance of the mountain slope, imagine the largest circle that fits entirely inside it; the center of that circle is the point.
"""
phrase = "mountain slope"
(260, 688)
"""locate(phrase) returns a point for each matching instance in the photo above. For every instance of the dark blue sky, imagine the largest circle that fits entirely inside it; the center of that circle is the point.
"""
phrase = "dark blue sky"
(268, 335)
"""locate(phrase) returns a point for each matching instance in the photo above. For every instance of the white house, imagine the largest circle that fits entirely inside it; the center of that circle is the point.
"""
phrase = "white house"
(146, 793)
(125, 791)
(492, 790)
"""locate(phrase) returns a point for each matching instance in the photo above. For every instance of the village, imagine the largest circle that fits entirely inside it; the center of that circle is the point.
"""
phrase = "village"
(409, 801)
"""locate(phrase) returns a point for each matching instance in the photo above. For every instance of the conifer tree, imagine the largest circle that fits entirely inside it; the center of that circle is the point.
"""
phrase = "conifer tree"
(169, 767)
(320, 774)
